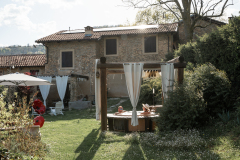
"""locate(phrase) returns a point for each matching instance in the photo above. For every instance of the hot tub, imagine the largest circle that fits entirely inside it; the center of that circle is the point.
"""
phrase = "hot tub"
(122, 121)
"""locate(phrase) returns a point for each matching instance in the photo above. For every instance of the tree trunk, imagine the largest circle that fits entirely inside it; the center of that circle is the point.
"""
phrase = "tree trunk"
(188, 31)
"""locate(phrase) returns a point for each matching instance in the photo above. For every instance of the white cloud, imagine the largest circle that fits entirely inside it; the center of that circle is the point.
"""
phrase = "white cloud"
(17, 16)
(11, 13)
(66, 4)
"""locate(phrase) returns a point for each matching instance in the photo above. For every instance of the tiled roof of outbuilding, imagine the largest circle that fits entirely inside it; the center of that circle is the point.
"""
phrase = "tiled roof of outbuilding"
(75, 36)
(25, 60)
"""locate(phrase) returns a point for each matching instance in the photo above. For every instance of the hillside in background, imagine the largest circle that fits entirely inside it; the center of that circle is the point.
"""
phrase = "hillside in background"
(14, 50)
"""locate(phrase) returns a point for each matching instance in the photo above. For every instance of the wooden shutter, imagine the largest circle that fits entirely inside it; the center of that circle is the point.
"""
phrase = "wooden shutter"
(67, 59)
(150, 44)
(111, 46)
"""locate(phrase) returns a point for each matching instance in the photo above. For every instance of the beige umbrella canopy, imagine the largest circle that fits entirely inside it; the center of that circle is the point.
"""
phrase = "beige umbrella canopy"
(20, 79)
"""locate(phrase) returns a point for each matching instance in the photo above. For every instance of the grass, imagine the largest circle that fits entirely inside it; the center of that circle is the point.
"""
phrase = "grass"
(77, 135)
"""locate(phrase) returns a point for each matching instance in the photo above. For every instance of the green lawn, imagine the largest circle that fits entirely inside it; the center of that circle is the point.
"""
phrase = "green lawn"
(77, 135)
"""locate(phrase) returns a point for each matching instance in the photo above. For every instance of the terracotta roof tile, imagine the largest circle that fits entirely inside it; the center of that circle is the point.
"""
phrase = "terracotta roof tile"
(61, 36)
(23, 60)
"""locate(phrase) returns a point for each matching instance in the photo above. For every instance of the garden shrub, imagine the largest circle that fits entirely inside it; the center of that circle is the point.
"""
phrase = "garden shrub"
(169, 56)
(18, 141)
(146, 93)
(184, 108)
(187, 51)
(203, 94)
(214, 85)
(220, 48)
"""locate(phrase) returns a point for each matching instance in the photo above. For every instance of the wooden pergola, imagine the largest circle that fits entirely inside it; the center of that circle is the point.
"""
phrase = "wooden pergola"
(117, 68)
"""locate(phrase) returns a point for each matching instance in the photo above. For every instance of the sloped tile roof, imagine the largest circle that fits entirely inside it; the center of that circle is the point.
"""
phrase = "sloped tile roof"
(75, 36)
(23, 60)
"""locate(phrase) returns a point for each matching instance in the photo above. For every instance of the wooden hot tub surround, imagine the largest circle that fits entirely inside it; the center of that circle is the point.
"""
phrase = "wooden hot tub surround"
(122, 121)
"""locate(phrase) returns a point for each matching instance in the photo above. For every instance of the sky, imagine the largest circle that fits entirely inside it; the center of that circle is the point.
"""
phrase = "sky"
(24, 21)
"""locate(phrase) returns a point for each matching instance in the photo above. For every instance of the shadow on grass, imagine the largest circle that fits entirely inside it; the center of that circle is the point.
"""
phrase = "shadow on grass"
(90, 145)
(135, 152)
(142, 152)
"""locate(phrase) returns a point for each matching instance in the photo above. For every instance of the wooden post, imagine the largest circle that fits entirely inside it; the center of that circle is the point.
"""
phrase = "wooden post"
(180, 75)
(180, 71)
(103, 79)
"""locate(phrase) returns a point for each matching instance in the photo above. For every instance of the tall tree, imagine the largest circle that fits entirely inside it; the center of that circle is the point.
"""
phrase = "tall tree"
(183, 9)
(154, 15)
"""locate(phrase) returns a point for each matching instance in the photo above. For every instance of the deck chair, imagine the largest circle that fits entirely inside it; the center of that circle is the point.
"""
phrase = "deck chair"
(57, 109)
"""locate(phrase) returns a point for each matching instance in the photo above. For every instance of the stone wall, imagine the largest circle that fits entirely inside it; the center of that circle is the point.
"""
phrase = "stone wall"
(130, 48)
(84, 55)
(84, 60)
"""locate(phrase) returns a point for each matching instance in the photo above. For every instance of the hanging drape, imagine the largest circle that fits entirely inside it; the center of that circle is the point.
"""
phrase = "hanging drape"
(167, 72)
(61, 87)
(133, 74)
(97, 93)
(44, 89)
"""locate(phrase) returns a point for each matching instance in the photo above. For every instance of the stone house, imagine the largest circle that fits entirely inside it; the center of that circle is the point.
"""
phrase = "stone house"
(73, 53)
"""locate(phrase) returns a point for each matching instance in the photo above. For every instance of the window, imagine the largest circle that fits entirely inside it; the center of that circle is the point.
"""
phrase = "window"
(67, 59)
(150, 44)
(111, 46)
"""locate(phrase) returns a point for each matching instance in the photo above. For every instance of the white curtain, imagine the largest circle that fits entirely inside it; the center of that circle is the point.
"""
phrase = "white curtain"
(167, 72)
(61, 87)
(97, 93)
(44, 89)
(133, 74)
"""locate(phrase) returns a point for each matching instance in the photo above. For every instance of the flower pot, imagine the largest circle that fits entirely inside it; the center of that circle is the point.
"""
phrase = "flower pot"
(33, 130)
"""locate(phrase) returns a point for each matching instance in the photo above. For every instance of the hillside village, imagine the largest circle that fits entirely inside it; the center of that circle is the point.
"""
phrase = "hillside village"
(16, 50)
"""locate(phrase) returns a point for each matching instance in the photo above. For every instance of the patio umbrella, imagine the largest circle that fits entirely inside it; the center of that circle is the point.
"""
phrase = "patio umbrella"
(20, 79)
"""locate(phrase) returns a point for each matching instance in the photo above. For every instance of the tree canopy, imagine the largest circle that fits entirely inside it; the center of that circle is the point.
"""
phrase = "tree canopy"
(183, 9)
(154, 15)
(220, 48)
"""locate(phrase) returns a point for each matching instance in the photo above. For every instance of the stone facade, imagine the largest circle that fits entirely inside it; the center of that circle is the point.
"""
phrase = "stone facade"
(84, 55)
(130, 48)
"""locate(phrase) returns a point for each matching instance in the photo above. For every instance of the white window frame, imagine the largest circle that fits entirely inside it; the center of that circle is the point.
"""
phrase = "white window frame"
(105, 46)
(143, 42)
(67, 50)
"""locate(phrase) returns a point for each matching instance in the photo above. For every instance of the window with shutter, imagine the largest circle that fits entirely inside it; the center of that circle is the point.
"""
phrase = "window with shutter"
(150, 44)
(67, 59)
(111, 46)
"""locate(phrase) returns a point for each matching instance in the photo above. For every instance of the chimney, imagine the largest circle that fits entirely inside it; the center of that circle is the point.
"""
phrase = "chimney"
(88, 31)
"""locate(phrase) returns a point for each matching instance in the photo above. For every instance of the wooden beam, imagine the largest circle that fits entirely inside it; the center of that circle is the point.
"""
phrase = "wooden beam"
(115, 71)
(79, 76)
(103, 80)
(145, 66)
